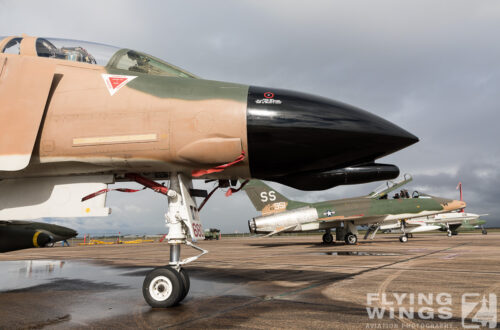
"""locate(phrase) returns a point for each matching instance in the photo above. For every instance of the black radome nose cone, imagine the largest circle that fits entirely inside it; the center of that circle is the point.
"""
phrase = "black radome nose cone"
(291, 132)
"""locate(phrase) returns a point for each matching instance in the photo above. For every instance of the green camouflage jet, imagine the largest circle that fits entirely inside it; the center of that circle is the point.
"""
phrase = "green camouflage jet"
(466, 225)
(279, 214)
(450, 222)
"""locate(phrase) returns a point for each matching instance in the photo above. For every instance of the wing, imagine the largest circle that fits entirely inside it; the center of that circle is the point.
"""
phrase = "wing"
(51, 197)
(359, 219)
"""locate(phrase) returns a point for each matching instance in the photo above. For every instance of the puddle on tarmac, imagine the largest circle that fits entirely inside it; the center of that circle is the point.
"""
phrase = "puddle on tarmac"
(31, 274)
(85, 291)
(358, 253)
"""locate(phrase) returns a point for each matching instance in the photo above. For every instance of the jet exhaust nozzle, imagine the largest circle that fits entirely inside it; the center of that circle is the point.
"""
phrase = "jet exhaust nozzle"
(251, 226)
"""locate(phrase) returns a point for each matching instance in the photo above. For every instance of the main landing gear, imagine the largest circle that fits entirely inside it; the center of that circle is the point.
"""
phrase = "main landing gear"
(166, 286)
(328, 237)
(348, 233)
(351, 239)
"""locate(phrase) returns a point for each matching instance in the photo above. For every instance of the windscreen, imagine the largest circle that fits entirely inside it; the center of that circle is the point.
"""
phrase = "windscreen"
(131, 60)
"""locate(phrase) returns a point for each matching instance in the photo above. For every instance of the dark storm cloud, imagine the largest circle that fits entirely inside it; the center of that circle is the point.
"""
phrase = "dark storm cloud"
(431, 67)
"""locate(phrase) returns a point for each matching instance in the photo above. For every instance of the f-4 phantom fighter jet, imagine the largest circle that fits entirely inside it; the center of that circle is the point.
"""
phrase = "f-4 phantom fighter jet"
(280, 214)
(77, 116)
(17, 235)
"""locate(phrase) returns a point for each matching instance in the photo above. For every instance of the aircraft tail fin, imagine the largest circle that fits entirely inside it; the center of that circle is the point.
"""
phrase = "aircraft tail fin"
(265, 198)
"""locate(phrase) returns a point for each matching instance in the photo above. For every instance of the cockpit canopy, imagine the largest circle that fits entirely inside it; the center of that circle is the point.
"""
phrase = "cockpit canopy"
(99, 54)
(72, 51)
(131, 60)
(405, 194)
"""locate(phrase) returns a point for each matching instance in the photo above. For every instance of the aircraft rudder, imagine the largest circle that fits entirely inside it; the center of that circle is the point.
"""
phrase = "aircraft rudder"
(262, 196)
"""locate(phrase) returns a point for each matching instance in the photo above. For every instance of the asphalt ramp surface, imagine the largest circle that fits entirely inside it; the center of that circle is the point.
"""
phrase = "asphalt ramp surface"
(252, 283)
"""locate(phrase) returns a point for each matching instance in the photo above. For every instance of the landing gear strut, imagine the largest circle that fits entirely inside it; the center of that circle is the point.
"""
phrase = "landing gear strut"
(448, 230)
(403, 238)
(168, 285)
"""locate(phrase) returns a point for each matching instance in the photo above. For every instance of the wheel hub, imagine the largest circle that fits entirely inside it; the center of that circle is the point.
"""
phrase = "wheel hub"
(160, 288)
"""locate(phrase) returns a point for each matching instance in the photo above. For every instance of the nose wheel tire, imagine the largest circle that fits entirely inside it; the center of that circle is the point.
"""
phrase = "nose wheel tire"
(164, 287)
(403, 239)
(351, 239)
(185, 282)
(327, 238)
(449, 234)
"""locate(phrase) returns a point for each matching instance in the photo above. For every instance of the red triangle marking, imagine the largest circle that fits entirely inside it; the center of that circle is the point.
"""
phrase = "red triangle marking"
(116, 81)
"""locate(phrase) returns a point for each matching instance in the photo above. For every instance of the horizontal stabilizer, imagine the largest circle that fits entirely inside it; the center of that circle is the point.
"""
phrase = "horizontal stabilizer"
(52, 197)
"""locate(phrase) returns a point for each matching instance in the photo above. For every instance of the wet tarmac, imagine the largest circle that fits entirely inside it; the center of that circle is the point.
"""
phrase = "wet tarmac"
(283, 282)
(358, 253)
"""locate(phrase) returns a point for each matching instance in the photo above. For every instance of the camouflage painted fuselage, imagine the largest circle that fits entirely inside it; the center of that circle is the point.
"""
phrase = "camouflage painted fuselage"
(280, 213)
(365, 208)
(359, 211)
(69, 114)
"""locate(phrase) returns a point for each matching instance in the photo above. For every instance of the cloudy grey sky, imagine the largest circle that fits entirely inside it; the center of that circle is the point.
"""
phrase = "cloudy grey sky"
(432, 67)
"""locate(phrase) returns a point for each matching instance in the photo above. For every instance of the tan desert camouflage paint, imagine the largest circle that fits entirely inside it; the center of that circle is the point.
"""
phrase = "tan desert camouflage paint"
(88, 130)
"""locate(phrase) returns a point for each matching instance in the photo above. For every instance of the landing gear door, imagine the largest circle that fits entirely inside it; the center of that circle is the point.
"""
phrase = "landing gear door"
(25, 84)
(191, 210)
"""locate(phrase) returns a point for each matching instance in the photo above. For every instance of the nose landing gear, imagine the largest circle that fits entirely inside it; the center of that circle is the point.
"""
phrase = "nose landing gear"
(163, 287)
(403, 238)
(168, 285)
